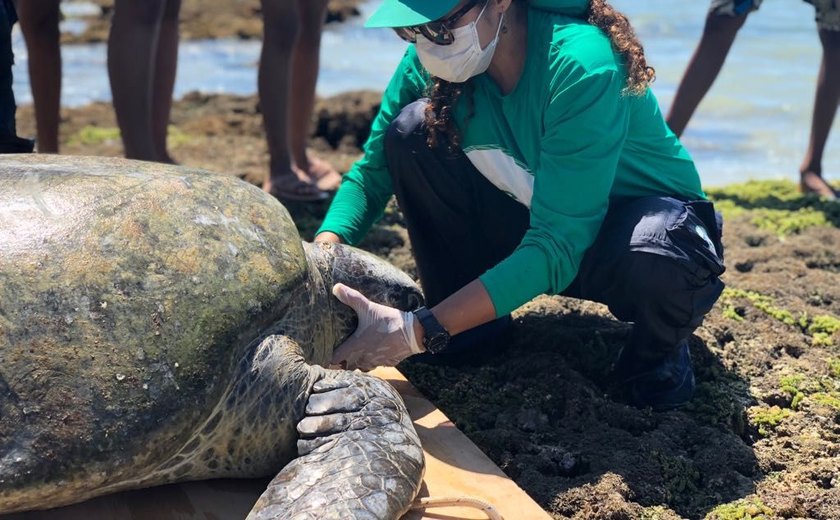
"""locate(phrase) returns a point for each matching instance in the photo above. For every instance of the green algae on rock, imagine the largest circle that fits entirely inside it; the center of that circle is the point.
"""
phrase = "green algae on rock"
(747, 509)
(775, 206)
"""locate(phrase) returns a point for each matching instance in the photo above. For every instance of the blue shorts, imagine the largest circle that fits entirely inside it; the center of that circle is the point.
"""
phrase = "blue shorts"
(827, 11)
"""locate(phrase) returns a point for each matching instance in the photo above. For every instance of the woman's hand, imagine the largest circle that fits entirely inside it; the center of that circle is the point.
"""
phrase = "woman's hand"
(327, 236)
(385, 336)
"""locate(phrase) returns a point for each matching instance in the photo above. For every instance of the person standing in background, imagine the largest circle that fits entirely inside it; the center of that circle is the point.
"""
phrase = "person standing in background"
(288, 74)
(39, 21)
(724, 20)
(142, 61)
(9, 141)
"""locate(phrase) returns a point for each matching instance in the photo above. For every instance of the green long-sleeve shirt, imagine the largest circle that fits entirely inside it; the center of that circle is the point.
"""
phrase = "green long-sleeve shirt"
(564, 143)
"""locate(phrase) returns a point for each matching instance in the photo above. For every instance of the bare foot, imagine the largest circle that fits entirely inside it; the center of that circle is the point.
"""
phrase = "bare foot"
(322, 173)
(289, 187)
(810, 182)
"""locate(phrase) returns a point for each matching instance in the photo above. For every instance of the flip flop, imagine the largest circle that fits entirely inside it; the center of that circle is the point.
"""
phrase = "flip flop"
(326, 178)
(289, 187)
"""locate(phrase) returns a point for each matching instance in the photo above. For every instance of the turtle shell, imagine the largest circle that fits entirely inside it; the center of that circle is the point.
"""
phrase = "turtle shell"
(128, 294)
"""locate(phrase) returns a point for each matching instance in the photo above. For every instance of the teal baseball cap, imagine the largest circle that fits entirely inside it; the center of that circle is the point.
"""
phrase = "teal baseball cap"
(405, 13)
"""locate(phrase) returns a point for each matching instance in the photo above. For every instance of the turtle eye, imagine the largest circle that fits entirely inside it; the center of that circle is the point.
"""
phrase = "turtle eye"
(412, 301)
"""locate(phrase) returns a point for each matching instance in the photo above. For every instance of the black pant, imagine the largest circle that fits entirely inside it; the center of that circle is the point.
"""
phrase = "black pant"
(9, 141)
(8, 18)
(655, 262)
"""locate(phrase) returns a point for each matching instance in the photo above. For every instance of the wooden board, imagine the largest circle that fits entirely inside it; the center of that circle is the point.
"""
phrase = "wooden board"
(455, 467)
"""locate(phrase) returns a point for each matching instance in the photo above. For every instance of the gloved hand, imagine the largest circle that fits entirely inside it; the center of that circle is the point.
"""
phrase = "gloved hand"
(385, 336)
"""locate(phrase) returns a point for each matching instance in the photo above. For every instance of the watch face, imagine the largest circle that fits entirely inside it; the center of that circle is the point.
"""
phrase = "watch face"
(435, 339)
(437, 343)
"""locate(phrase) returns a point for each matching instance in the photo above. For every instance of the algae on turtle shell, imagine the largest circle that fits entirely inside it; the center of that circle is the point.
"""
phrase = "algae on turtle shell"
(161, 324)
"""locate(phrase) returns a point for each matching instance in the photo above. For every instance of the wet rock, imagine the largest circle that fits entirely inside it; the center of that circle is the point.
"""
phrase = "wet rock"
(557, 461)
(530, 420)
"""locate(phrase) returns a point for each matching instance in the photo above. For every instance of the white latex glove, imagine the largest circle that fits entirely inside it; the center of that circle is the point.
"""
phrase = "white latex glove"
(385, 336)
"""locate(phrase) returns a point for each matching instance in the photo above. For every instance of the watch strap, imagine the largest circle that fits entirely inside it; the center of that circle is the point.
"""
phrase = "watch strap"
(435, 337)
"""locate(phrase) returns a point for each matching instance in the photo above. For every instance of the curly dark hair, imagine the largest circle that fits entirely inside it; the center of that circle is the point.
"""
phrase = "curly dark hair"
(443, 95)
(440, 112)
(615, 25)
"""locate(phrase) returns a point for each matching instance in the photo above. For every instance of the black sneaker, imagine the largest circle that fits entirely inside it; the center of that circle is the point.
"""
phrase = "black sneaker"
(667, 385)
(15, 144)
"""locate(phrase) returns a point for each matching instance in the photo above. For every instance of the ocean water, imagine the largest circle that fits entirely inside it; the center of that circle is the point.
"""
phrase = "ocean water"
(753, 124)
(352, 58)
(755, 120)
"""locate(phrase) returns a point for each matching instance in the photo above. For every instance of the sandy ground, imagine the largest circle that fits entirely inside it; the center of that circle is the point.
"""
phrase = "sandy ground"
(760, 440)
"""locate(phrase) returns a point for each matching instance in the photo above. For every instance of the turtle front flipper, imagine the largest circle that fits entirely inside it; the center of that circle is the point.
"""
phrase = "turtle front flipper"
(359, 456)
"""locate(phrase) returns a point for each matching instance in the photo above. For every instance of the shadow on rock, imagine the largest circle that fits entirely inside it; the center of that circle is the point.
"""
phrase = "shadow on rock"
(536, 400)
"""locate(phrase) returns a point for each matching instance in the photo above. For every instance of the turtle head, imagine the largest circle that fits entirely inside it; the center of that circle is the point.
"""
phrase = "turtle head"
(379, 280)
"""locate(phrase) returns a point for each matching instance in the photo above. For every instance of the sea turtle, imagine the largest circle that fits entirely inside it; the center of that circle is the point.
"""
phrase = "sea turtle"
(162, 324)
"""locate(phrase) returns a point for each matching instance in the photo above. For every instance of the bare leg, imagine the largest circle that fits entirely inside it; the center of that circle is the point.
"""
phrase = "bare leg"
(163, 84)
(280, 33)
(825, 108)
(718, 35)
(304, 78)
(132, 51)
(39, 24)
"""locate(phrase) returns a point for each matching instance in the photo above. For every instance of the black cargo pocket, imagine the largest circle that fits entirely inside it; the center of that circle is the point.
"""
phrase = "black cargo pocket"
(696, 234)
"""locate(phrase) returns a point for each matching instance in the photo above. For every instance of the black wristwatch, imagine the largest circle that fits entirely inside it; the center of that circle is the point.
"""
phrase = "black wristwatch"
(435, 337)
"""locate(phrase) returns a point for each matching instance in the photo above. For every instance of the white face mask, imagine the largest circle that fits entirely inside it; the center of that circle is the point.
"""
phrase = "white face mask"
(461, 60)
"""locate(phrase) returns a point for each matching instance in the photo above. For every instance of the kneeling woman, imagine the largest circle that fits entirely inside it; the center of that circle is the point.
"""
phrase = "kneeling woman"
(529, 156)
